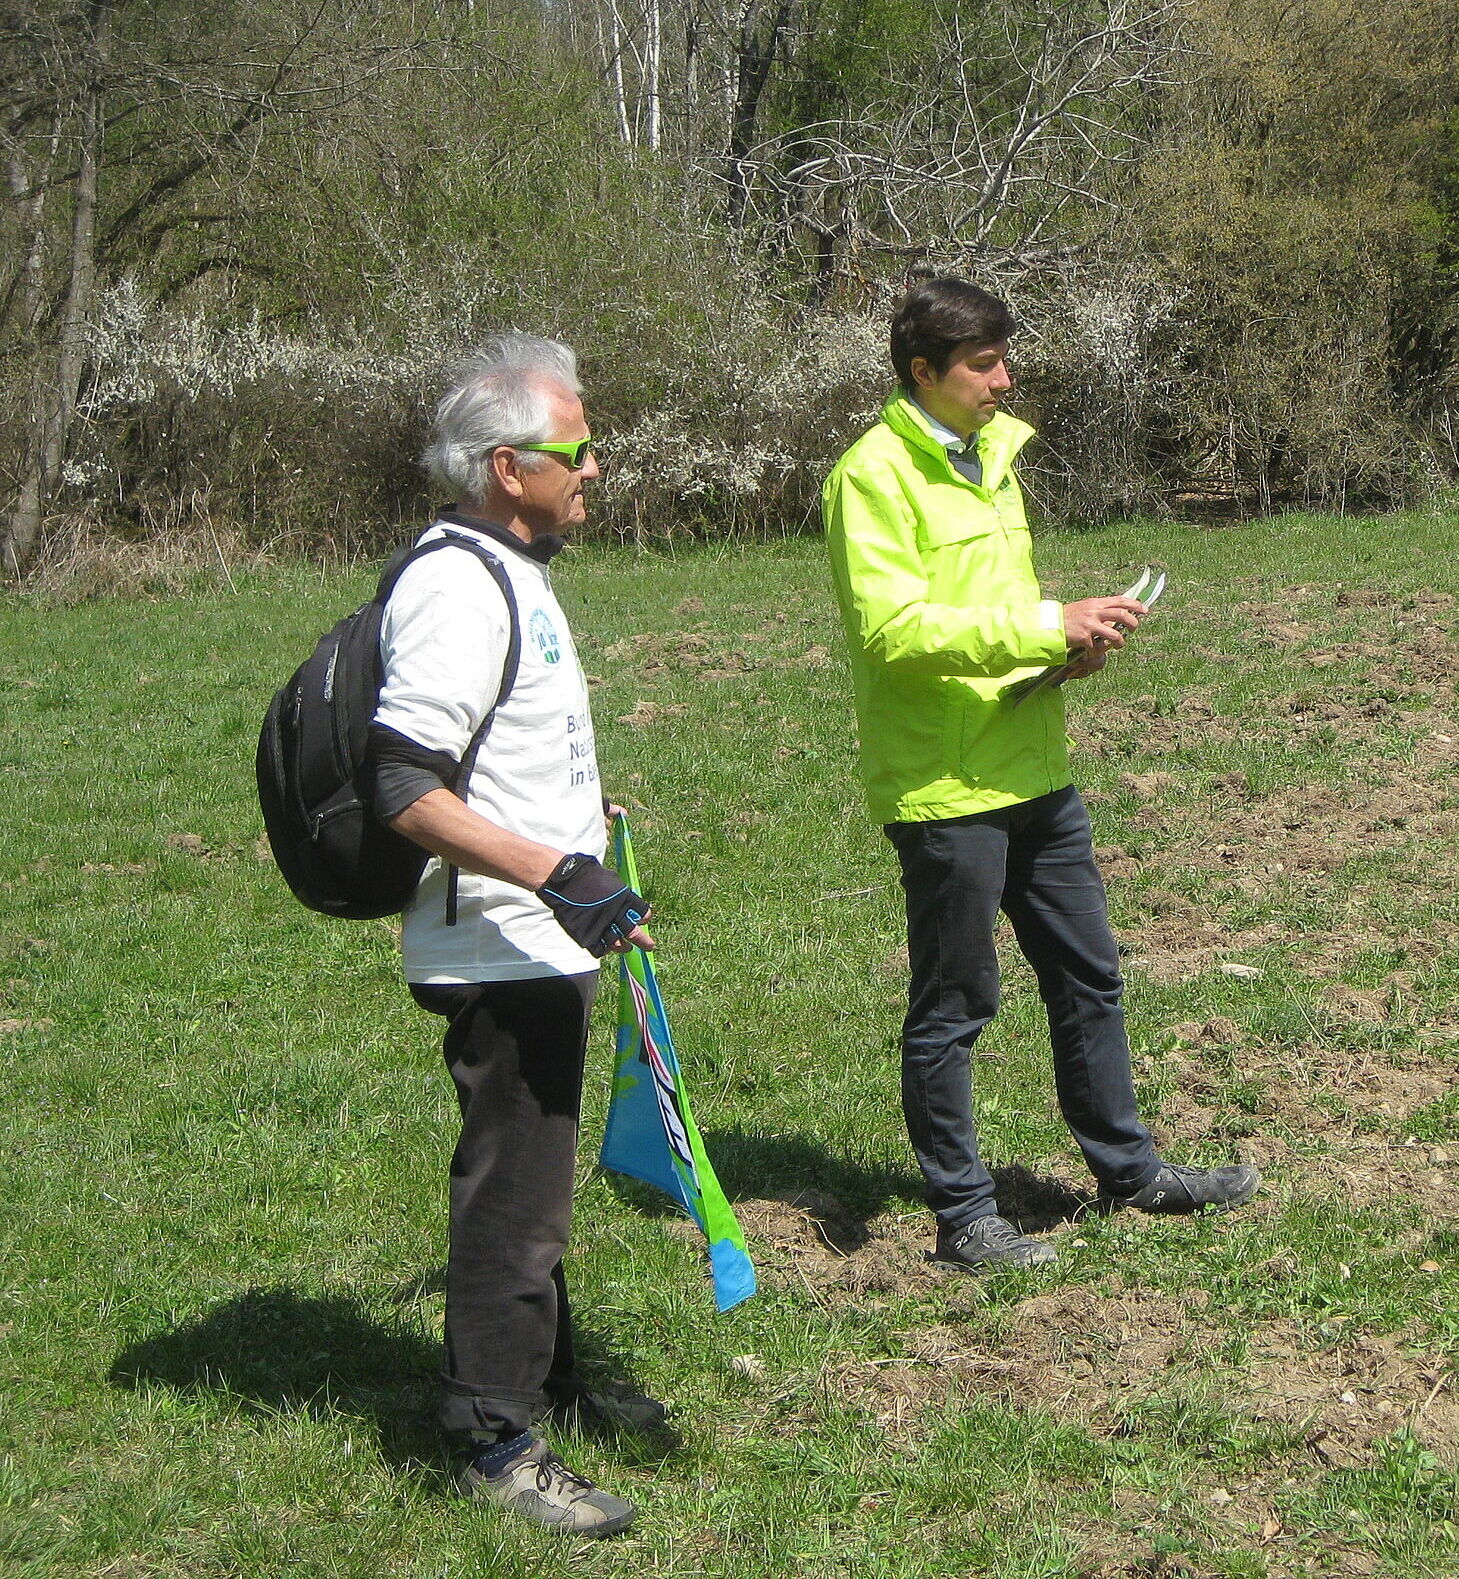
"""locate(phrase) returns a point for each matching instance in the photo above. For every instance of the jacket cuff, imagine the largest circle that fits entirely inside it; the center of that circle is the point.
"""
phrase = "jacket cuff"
(1053, 643)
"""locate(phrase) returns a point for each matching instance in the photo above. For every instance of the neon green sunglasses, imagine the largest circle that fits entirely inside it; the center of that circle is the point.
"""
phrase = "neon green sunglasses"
(576, 453)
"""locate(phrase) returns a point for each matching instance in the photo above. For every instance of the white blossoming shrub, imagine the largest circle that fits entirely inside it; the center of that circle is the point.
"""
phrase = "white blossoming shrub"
(1096, 368)
(744, 445)
(298, 442)
(288, 439)
(713, 417)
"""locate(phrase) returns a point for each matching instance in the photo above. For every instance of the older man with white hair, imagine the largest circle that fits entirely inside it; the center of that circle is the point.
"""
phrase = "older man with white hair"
(505, 931)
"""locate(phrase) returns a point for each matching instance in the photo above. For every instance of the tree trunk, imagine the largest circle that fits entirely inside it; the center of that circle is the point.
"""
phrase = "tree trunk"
(655, 25)
(754, 56)
(612, 52)
(57, 396)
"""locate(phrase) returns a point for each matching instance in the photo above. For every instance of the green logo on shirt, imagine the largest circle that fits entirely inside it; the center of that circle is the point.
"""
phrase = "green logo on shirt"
(544, 634)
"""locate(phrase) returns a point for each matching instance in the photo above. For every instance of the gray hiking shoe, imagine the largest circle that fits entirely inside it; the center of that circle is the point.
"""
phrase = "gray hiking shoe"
(1175, 1189)
(989, 1242)
(539, 1486)
(612, 1407)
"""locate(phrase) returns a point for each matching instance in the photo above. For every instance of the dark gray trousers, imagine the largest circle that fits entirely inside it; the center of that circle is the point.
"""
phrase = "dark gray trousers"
(515, 1052)
(1035, 862)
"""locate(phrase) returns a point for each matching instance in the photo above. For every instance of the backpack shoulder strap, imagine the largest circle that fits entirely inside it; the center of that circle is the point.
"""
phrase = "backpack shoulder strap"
(498, 572)
(510, 665)
(404, 558)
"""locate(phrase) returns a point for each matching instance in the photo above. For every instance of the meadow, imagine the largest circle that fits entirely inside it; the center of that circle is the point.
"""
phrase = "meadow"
(225, 1129)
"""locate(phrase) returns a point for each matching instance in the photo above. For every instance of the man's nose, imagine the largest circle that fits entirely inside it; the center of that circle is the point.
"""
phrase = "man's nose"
(590, 467)
(1002, 378)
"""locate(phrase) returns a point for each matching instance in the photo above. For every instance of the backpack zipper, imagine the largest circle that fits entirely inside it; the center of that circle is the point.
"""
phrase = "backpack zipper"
(339, 726)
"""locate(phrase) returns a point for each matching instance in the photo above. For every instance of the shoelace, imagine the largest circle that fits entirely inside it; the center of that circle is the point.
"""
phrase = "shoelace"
(550, 1467)
(996, 1236)
(1180, 1174)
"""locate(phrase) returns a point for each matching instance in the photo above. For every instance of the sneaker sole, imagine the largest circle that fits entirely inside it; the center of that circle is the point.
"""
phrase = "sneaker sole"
(976, 1268)
(466, 1492)
(1113, 1203)
(608, 1527)
(613, 1526)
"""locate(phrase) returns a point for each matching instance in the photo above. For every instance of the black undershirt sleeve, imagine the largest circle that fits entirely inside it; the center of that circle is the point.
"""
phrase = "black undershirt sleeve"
(401, 770)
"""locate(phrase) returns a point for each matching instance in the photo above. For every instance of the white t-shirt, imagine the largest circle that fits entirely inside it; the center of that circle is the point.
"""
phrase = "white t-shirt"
(444, 642)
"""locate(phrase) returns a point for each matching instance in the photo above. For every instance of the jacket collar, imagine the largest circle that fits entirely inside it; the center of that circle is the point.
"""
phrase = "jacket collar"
(944, 434)
(999, 441)
(541, 549)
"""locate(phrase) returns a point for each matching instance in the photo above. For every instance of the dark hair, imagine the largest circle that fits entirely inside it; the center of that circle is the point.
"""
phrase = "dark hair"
(939, 315)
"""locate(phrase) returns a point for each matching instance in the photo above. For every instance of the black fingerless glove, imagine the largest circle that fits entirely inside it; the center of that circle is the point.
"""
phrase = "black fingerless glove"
(594, 906)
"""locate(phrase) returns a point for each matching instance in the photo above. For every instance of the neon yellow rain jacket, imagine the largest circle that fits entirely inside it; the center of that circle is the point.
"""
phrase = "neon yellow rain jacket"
(935, 579)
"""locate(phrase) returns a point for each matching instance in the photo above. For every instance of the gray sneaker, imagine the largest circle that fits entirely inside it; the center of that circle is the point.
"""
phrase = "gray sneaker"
(989, 1242)
(539, 1486)
(611, 1407)
(1176, 1189)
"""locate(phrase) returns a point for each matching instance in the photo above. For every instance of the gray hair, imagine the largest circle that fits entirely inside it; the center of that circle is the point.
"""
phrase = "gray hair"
(500, 394)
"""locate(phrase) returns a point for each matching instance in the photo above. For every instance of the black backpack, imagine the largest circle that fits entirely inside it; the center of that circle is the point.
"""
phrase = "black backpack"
(313, 784)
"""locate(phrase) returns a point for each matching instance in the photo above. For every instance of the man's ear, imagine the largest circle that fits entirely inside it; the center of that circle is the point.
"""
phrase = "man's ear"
(923, 373)
(505, 472)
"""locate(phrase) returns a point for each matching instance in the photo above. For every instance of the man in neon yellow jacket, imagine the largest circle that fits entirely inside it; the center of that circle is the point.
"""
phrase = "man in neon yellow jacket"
(934, 574)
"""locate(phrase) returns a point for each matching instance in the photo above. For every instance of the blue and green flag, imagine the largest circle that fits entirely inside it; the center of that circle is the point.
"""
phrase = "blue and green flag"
(651, 1134)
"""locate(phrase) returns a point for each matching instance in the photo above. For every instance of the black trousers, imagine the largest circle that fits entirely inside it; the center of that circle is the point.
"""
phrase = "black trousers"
(515, 1052)
(1035, 862)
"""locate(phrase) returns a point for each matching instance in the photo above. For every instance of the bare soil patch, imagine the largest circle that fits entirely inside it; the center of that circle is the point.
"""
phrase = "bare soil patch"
(1384, 701)
(1217, 869)
(1118, 1362)
(1310, 1116)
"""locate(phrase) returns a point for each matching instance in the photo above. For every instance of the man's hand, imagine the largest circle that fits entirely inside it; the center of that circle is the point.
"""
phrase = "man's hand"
(1085, 664)
(595, 907)
(1099, 625)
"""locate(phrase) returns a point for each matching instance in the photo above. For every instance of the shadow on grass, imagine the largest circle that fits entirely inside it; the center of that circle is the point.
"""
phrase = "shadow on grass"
(279, 1351)
(1034, 1203)
(802, 1172)
(756, 1167)
(751, 1166)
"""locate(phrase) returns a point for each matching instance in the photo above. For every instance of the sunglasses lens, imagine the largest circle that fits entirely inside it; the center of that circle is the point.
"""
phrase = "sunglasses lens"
(580, 454)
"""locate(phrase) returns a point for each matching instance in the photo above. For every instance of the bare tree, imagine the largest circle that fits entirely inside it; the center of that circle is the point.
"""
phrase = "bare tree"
(1037, 109)
(656, 56)
(79, 55)
(117, 118)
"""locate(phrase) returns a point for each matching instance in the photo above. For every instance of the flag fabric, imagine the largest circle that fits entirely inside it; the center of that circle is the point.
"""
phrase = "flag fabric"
(650, 1133)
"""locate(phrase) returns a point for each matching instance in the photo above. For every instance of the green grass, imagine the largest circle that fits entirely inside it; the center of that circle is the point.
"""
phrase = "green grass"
(226, 1129)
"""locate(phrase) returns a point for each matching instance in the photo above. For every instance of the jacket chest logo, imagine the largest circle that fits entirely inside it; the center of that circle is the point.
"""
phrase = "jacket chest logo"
(543, 634)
